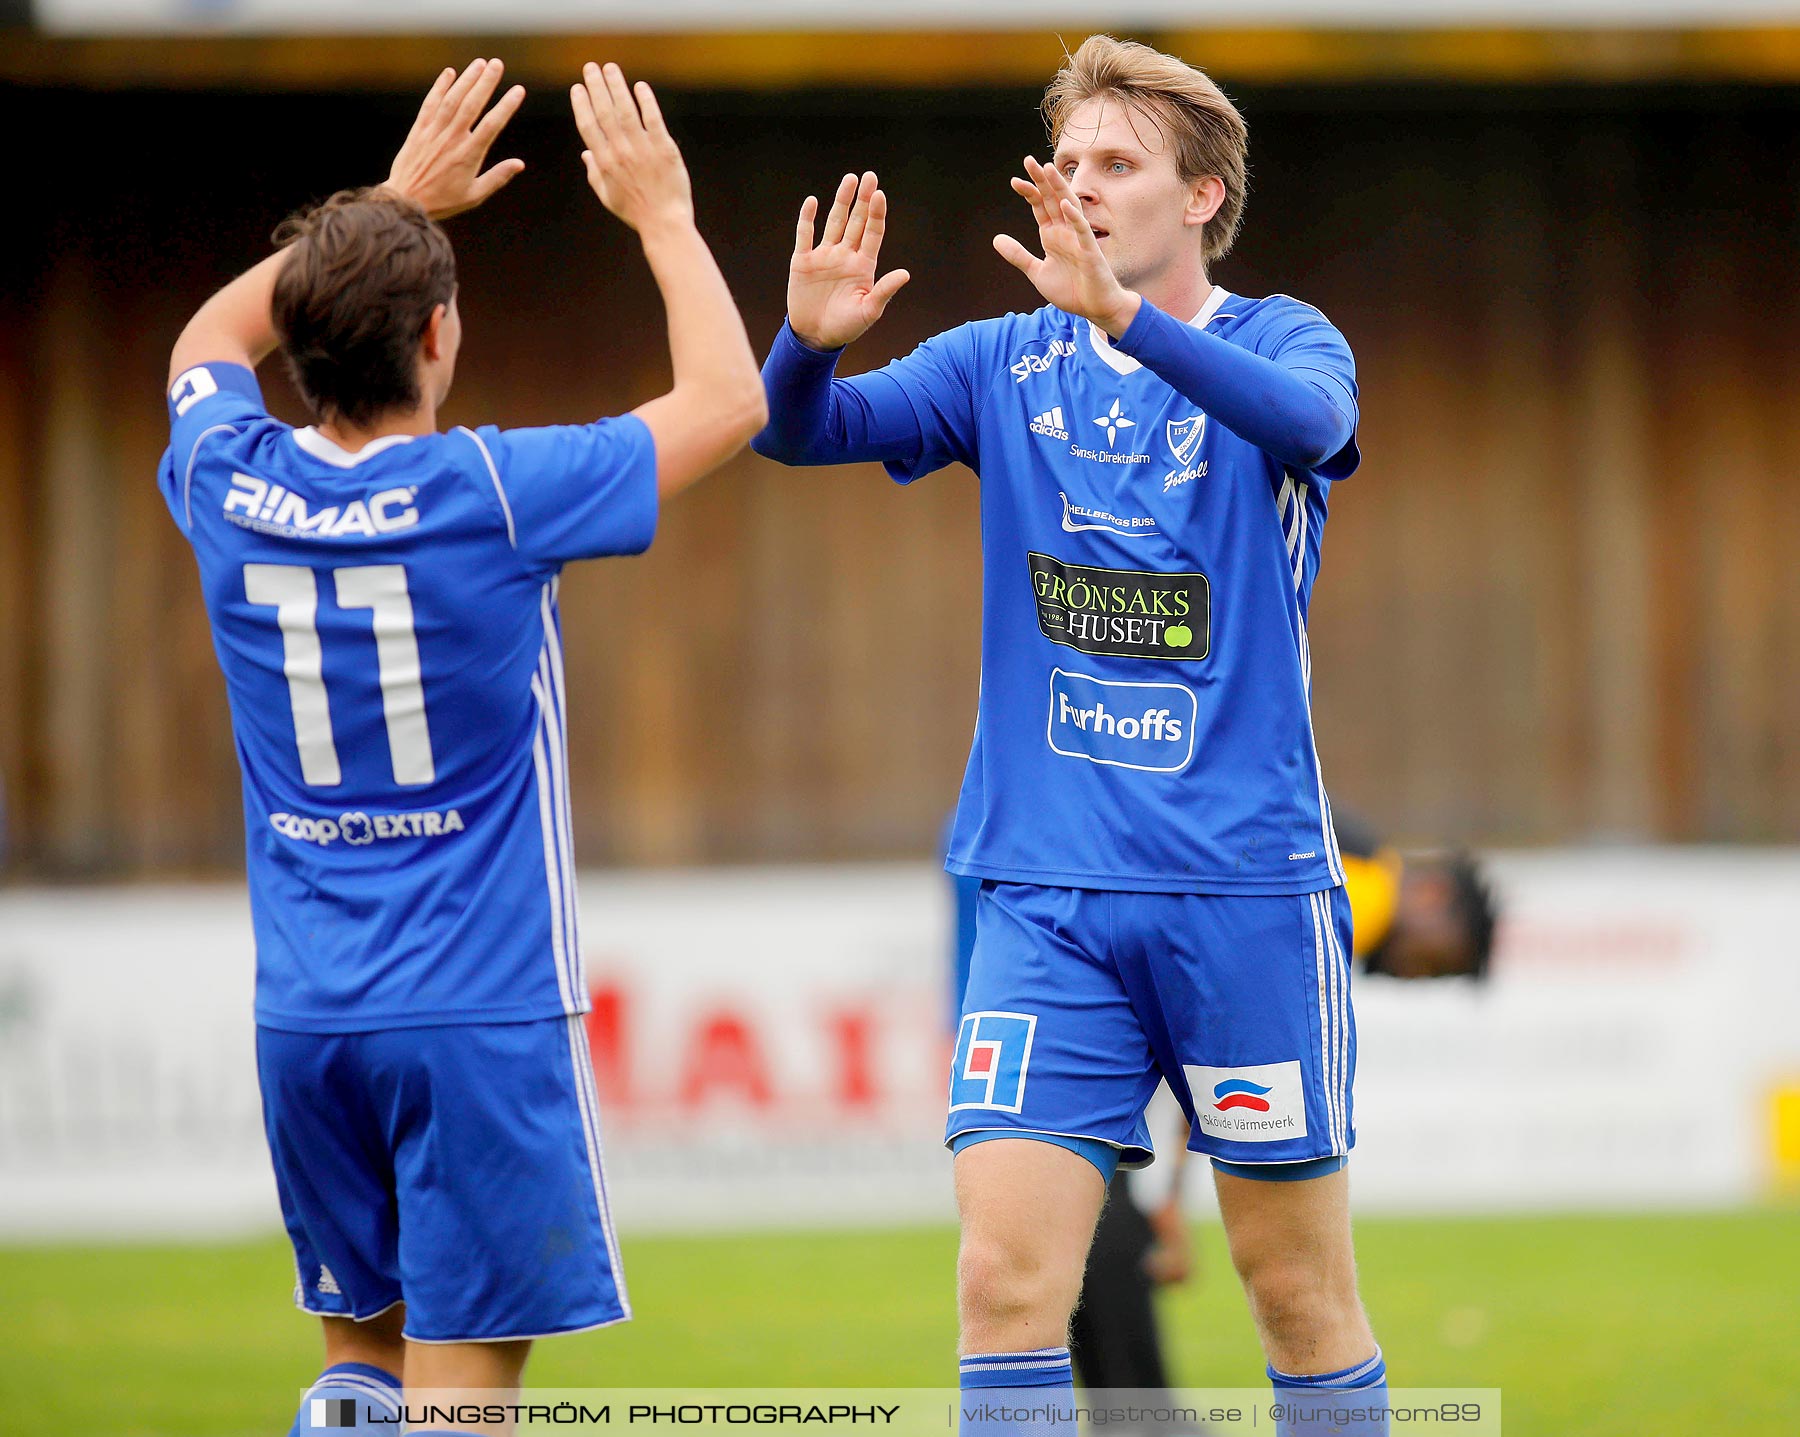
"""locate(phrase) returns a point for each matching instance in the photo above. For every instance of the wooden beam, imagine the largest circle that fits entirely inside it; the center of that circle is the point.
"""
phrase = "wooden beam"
(913, 60)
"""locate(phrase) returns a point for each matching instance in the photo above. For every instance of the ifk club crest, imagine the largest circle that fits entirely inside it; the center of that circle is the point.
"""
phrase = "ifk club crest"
(1184, 438)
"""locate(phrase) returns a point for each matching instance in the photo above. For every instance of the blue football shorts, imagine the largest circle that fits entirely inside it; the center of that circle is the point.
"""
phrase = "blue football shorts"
(456, 1169)
(1081, 1001)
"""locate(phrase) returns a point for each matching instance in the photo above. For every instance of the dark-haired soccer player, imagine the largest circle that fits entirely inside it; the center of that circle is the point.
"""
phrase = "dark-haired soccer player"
(1162, 892)
(383, 603)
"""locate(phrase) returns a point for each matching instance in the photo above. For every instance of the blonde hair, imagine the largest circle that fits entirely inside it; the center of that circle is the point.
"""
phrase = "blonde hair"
(1208, 133)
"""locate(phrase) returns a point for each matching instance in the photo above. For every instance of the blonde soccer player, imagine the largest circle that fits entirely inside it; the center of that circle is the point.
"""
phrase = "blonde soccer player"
(1161, 889)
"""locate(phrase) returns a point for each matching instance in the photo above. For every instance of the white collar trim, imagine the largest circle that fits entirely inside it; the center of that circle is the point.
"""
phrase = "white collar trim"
(317, 445)
(1124, 363)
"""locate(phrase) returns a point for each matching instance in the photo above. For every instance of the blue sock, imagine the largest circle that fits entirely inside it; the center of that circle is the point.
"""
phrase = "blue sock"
(345, 1397)
(1349, 1403)
(1018, 1394)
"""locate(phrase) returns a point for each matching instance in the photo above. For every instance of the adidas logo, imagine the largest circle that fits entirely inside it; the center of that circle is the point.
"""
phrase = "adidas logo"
(1050, 424)
(329, 1284)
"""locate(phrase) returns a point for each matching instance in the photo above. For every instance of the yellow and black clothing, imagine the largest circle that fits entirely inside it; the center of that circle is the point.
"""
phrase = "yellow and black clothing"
(1372, 872)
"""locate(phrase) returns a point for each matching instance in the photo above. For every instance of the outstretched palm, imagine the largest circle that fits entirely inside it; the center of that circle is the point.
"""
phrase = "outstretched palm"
(833, 295)
(1072, 275)
(440, 165)
(633, 164)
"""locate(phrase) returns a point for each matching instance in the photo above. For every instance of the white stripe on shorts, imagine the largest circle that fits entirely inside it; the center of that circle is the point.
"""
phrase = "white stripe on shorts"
(1323, 983)
(1341, 967)
(589, 1100)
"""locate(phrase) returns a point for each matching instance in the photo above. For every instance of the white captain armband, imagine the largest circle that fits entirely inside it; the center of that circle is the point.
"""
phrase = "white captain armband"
(191, 387)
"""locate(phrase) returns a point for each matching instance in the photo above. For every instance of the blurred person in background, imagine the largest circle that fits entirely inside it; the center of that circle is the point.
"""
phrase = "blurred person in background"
(383, 604)
(1161, 891)
(1423, 914)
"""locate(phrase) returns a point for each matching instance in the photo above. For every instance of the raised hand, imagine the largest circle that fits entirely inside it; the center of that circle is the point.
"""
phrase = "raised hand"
(1072, 275)
(632, 162)
(439, 166)
(833, 295)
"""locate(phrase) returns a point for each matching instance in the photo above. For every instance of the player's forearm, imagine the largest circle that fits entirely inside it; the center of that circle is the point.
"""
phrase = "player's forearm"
(235, 326)
(815, 418)
(1273, 407)
(716, 382)
(797, 382)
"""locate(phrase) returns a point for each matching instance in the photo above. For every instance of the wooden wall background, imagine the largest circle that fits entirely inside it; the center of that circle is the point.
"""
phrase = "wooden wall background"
(1559, 603)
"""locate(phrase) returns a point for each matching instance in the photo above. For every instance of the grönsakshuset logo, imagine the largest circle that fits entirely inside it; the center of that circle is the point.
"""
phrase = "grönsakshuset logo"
(1127, 613)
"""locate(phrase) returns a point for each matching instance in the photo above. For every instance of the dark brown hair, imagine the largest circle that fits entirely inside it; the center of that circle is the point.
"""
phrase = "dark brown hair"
(1208, 134)
(367, 268)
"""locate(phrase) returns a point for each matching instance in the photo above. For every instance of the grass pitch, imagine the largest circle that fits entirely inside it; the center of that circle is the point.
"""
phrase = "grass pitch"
(1591, 1326)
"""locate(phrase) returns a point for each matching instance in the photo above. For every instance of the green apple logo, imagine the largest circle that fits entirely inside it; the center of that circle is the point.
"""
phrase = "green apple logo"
(1178, 636)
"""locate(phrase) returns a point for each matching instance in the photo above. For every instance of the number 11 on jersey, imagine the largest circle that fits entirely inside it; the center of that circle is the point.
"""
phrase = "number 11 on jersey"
(292, 591)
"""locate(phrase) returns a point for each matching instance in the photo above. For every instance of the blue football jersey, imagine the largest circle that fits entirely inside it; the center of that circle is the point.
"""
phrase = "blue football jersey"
(388, 630)
(1144, 721)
